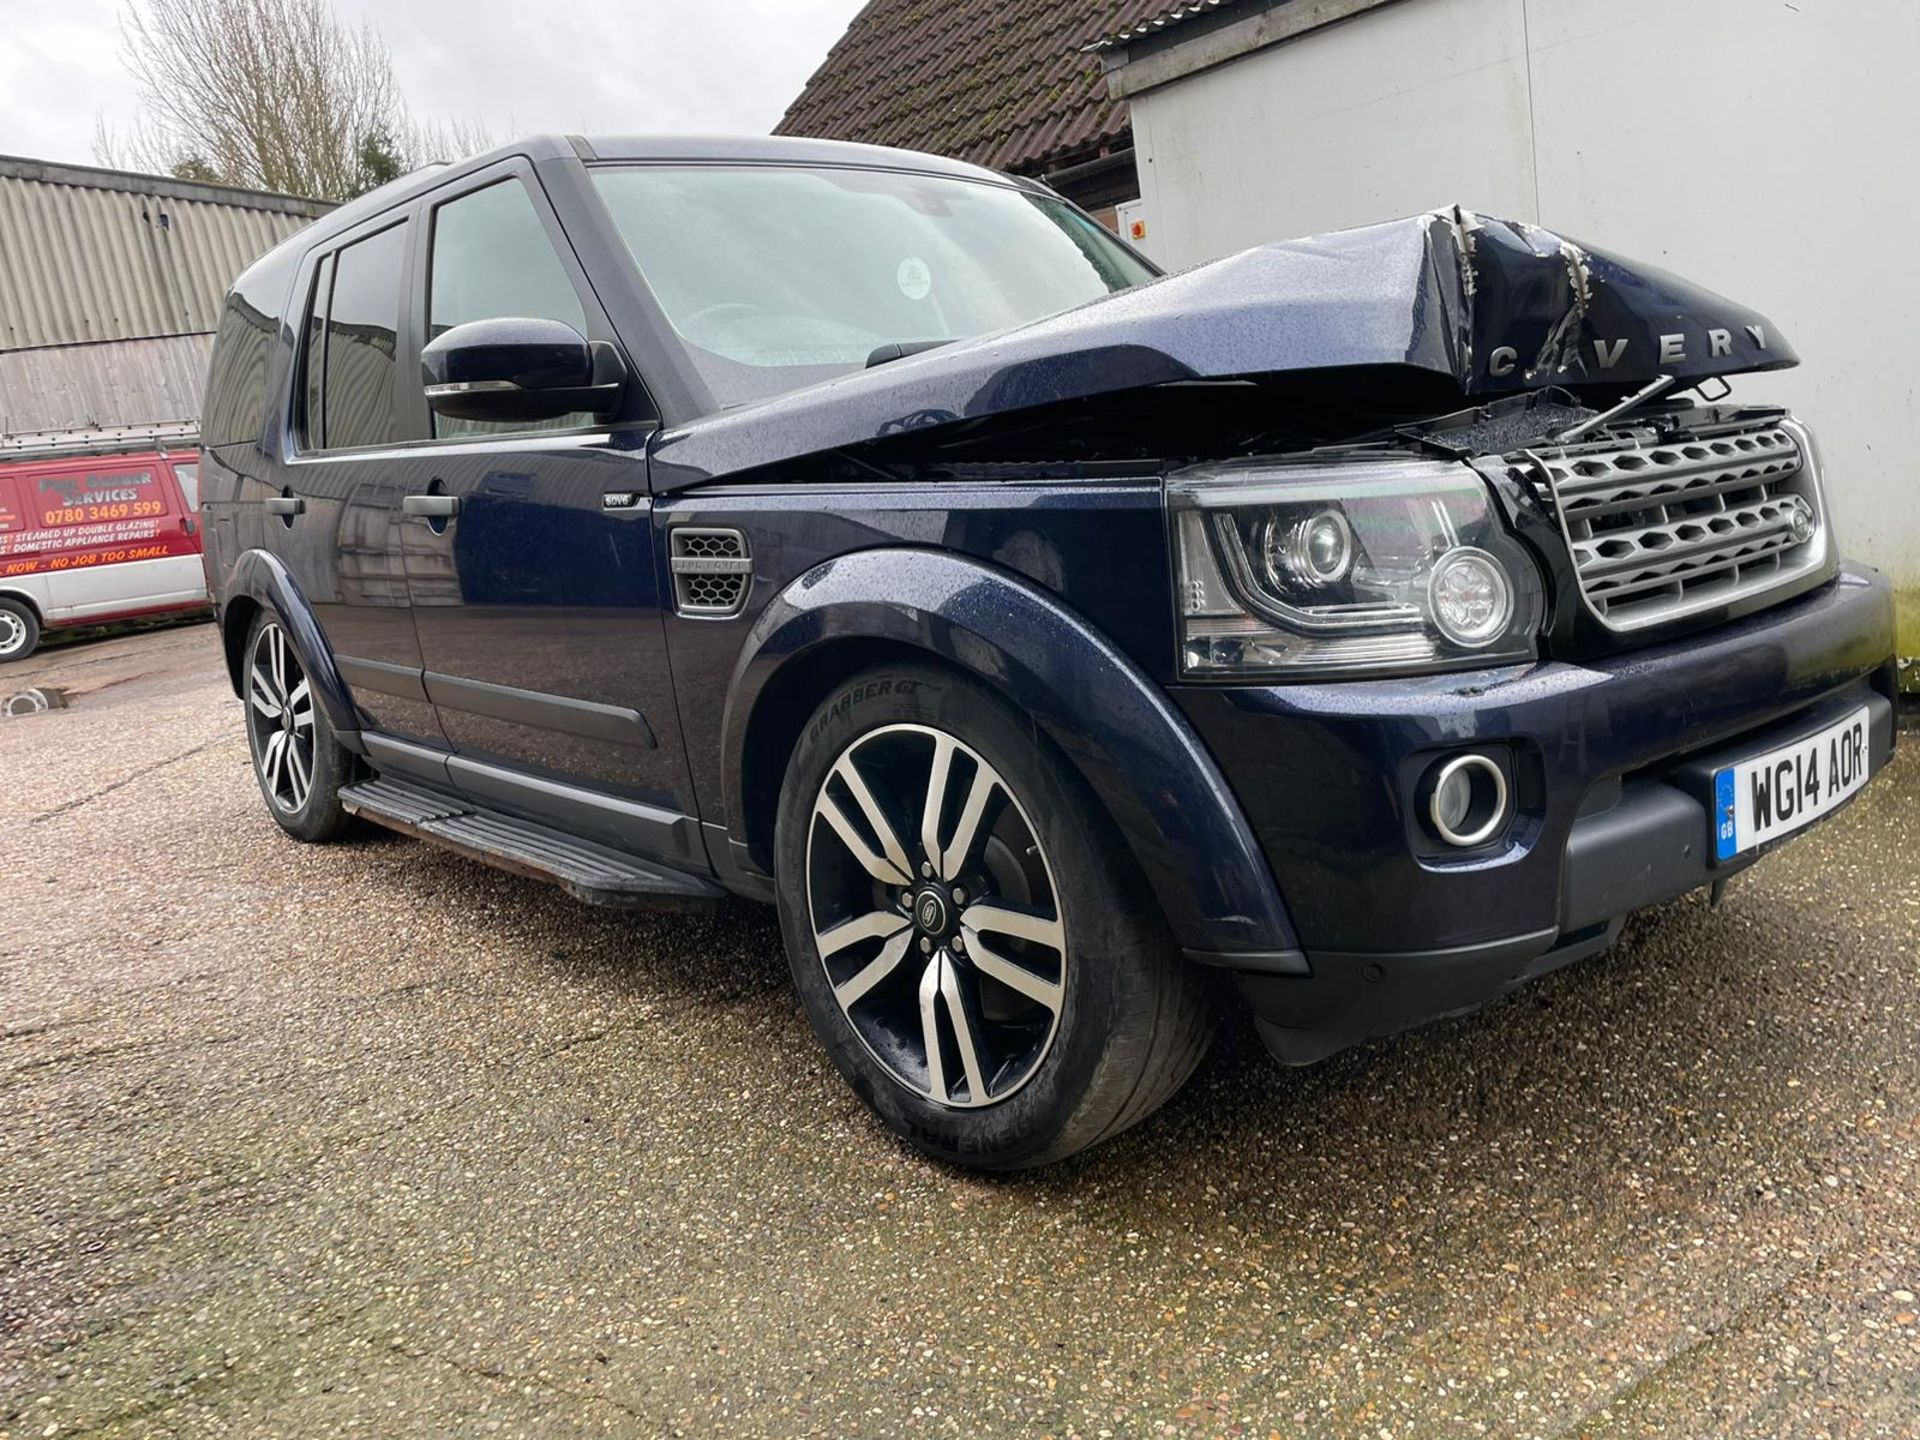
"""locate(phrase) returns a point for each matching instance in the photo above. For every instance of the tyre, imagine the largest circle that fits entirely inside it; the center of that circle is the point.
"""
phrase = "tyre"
(19, 631)
(973, 945)
(299, 765)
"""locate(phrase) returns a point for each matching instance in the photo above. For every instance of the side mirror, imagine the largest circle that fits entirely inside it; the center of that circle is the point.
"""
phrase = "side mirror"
(515, 369)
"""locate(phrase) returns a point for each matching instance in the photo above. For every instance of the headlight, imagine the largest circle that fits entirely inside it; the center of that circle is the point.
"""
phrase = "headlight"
(1370, 565)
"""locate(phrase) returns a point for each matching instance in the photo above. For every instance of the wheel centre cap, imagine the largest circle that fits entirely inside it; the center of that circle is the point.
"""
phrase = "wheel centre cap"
(930, 912)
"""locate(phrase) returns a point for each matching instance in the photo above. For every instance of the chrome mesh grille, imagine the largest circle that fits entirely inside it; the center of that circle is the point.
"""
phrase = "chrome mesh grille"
(711, 570)
(1661, 525)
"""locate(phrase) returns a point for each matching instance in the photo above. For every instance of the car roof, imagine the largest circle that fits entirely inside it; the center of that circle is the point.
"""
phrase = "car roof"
(727, 149)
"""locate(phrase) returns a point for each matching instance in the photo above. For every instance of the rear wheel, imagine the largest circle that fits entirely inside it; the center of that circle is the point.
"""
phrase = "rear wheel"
(299, 765)
(972, 944)
(19, 631)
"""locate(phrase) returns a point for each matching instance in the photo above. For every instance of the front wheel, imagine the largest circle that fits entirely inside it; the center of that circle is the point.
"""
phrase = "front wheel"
(973, 945)
(298, 763)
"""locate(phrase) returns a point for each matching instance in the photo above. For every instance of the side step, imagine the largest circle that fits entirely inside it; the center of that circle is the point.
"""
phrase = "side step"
(596, 874)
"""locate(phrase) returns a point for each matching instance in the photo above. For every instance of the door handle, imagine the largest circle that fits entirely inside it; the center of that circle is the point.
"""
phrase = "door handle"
(433, 507)
(280, 505)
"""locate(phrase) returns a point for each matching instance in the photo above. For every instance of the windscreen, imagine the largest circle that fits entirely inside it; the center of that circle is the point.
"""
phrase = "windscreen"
(781, 276)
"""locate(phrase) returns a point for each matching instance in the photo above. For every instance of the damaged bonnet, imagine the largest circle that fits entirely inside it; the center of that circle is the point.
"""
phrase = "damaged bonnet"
(1496, 306)
(1536, 308)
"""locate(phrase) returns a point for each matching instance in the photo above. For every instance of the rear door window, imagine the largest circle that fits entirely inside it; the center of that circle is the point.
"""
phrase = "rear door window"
(361, 339)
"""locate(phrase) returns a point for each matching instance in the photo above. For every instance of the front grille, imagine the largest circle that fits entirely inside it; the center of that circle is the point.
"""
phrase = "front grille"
(1663, 524)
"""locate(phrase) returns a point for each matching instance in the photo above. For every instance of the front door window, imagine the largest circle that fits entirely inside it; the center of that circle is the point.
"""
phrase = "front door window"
(492, 259)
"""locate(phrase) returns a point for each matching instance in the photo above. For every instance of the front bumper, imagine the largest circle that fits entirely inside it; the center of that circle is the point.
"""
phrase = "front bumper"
(1611, 763)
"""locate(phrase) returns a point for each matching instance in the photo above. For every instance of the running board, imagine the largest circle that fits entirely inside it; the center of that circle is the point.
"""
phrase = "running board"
(596, 874)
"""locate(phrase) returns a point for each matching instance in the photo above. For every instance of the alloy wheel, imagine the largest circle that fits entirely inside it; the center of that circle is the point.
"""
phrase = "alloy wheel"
(280, 719)
(13, 633)
(934, 912)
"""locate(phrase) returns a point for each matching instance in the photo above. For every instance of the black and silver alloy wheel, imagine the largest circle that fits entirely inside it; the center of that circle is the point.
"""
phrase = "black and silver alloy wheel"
(296, 758)
(935, 913)
(971, 938)
(280, 719)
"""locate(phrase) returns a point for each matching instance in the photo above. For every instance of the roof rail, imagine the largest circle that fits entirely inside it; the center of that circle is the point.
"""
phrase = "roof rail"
(101, 440)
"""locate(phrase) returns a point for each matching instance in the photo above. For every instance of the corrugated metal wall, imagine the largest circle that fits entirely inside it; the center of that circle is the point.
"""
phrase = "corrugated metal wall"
(92, 387)
(89, 255)
(110, 290)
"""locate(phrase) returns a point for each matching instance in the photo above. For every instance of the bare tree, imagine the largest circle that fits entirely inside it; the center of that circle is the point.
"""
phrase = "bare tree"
(269, 94)
(429, 140)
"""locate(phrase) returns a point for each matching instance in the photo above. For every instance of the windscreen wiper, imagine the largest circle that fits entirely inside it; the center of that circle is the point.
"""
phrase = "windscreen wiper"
(900, 349)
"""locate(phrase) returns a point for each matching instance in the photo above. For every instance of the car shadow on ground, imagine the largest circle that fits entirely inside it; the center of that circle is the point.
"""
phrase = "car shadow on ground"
(1635, 1090)
(1546, 1098)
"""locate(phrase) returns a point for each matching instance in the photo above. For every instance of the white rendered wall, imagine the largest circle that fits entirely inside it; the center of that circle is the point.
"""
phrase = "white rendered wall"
(1764, 150)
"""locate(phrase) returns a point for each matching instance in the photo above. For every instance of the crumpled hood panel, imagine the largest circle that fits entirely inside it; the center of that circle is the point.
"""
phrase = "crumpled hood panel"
(1496, 305)
(1541, 309)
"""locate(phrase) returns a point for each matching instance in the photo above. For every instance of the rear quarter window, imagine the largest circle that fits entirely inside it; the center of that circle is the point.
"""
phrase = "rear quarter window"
(234, 409)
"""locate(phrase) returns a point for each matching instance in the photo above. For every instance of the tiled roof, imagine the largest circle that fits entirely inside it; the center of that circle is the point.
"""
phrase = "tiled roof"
(1156, 22)
(1004, 83)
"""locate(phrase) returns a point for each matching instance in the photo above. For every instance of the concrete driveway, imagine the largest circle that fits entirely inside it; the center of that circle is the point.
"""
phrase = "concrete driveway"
(370, 1140)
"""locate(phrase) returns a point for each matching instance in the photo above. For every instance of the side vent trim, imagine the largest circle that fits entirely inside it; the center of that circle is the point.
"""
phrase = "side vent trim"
(712, 571)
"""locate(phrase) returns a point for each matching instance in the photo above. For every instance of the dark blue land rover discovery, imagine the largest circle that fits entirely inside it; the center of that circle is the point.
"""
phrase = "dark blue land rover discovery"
(1370, 621)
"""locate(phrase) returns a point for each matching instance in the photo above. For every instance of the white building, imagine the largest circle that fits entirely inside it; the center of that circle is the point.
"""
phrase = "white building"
(1769, 151)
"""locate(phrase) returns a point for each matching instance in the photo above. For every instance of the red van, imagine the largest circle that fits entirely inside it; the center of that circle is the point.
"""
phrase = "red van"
(90, 539)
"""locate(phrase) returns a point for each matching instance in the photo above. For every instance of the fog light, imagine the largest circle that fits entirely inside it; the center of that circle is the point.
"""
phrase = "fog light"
(1470, 597)
(1469, 800)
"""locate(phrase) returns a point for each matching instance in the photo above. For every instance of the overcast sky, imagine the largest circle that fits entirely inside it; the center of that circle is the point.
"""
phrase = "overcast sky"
(661, 66)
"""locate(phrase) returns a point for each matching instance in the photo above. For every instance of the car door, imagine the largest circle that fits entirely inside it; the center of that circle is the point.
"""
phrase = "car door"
(337, 522)
(530, 563)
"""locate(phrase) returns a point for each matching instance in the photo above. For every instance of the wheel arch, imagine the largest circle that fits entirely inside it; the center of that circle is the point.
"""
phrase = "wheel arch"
(261, 582)
(1146, 768)
(780, 713)
(8, 592)
(34, 617)
(236, 623)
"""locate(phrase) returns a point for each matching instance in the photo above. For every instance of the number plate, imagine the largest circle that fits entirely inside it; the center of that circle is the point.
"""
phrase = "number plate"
(1775, 794)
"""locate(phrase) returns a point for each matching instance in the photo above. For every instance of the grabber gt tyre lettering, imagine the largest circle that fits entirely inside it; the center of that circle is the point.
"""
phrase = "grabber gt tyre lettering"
(298, 763)
(19, 631)
(974, 947)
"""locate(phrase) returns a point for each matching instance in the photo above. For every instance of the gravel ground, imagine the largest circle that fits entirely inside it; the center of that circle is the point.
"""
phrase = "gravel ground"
(370, 1140)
